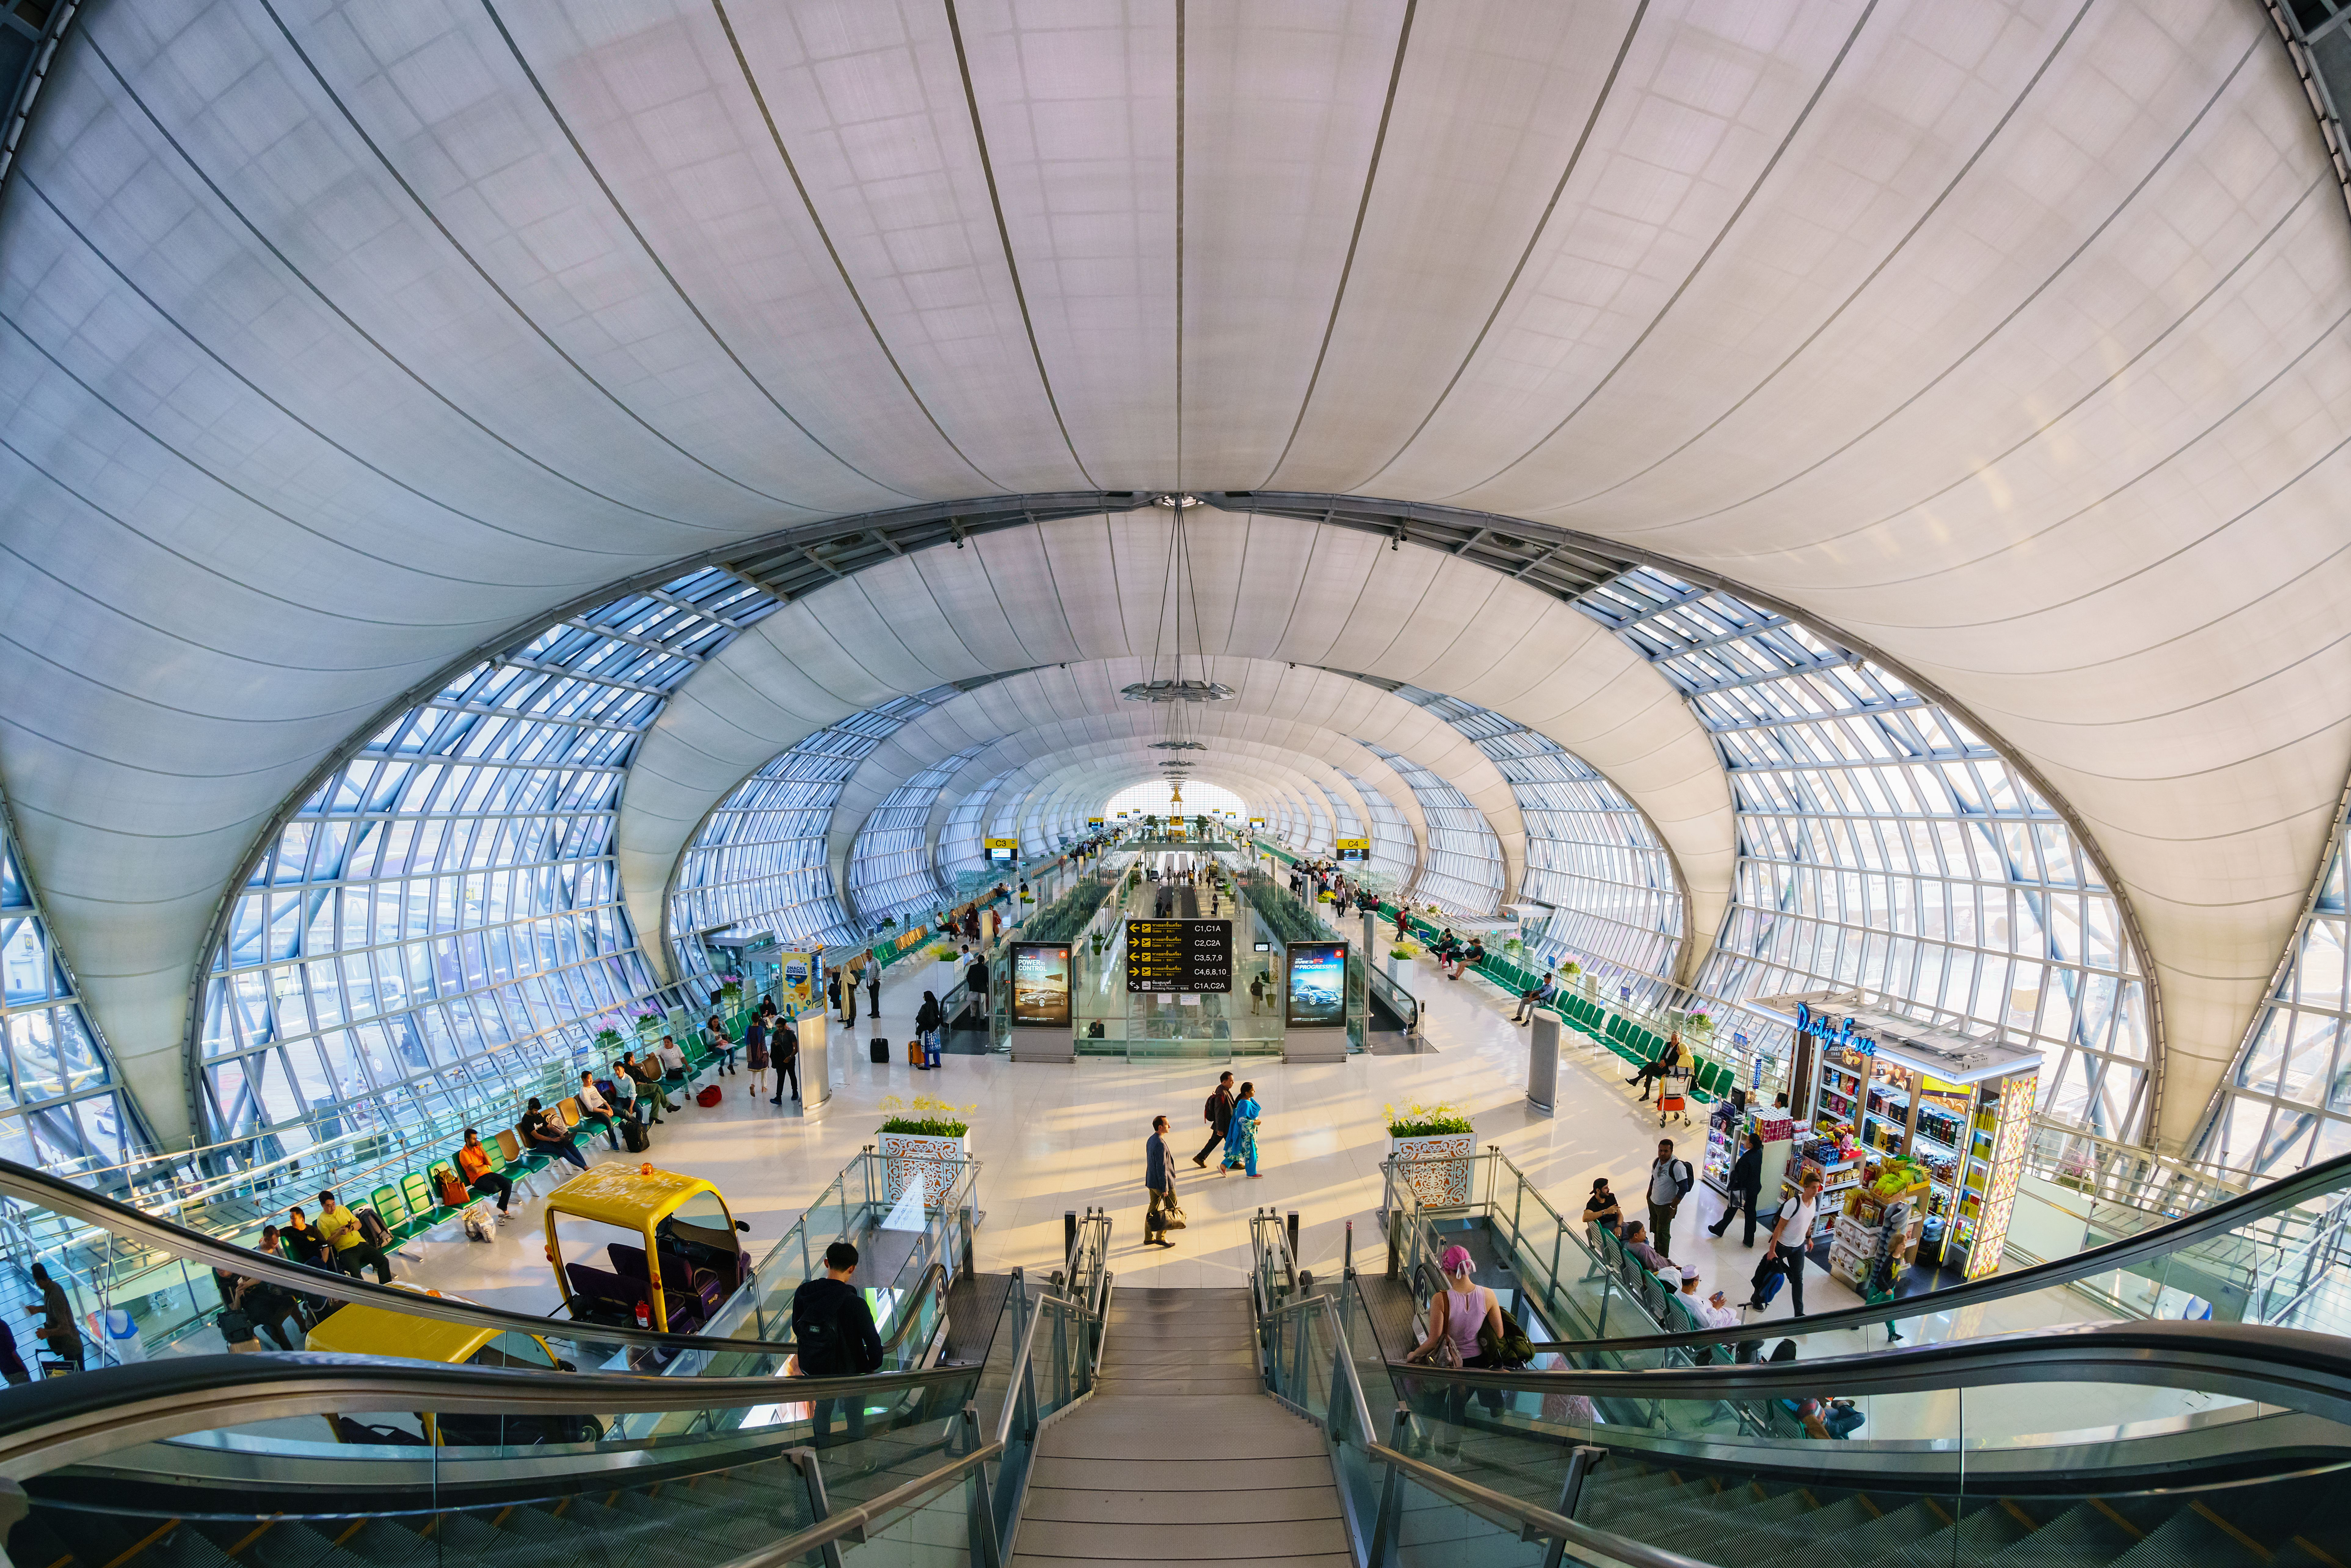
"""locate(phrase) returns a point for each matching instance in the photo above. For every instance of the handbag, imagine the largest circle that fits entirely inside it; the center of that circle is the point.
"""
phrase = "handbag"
(1444, 1355)
(1512, 1347)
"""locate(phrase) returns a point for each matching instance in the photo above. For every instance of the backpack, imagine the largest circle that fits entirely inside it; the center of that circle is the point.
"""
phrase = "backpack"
(1683, 1180)
(1208, 1111)
(633, 1136)
(373, 1229)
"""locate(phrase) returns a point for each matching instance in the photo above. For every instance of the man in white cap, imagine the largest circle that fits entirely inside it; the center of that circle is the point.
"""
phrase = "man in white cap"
(1714, 1311)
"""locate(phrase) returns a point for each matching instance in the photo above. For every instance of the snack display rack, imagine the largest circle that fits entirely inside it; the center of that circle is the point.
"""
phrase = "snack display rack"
(1726, 1131)
(1957, 1106)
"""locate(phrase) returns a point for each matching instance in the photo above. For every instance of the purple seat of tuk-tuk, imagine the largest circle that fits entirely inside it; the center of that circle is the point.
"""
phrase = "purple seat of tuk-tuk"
(707, 1288)
(686, 1315)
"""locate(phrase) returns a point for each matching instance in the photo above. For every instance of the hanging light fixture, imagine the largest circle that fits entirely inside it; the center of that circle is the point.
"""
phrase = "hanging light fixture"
(1180, 595)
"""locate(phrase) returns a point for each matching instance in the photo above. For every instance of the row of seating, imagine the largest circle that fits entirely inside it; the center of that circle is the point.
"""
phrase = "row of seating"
(412, 1206)
(1661, 1299)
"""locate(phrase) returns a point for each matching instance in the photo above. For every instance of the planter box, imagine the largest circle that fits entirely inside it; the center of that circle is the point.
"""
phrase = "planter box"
(1436, 1167)
(936, 1161)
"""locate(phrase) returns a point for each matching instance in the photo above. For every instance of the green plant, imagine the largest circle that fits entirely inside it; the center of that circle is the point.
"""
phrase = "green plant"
(924, 1118)
(1404, 950)
(609, 1039)
(1514, 947)
(1419, 1121)
(944, 951)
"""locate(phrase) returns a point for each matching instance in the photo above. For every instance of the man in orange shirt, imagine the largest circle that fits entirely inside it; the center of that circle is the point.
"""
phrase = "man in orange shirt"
(475, 1161)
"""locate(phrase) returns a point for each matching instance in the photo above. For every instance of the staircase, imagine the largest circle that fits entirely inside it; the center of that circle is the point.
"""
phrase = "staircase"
(1180, 1456)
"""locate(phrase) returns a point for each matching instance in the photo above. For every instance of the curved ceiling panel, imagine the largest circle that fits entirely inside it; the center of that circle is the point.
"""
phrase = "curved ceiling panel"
(1276, 591)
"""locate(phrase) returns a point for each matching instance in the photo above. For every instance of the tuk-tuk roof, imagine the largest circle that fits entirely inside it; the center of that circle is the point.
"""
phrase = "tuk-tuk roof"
(358, 1329)
(618, 1193)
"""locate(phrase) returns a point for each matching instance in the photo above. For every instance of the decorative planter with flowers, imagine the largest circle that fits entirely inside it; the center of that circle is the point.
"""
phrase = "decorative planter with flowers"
(1433, 1147)
(922, 1139)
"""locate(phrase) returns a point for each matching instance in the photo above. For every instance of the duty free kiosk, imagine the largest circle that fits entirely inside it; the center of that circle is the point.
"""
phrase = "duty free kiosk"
(1959, 1104)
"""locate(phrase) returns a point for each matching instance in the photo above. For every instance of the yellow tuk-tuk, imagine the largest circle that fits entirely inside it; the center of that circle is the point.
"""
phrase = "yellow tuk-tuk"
(358, 1329)
(634, 1246)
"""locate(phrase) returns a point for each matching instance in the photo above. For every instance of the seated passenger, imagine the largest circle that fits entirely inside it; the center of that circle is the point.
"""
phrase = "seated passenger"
(1600, 1207)
(1636, 1242)
(547, 1134)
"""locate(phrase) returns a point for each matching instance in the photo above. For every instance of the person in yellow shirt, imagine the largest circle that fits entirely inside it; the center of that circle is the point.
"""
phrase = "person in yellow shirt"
(353, 1250)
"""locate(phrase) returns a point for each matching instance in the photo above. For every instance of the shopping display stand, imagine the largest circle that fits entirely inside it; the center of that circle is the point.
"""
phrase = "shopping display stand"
(1873, 1085)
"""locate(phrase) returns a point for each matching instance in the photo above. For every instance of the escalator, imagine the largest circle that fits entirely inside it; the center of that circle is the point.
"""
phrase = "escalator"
(2128, 1443)
(929, 1303)
(194, 1461)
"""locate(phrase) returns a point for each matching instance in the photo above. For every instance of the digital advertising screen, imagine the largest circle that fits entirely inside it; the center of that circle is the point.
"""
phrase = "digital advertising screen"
(1041, 985)
(1317, 997)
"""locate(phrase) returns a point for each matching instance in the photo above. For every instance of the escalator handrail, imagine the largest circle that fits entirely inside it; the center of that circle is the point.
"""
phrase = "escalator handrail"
(2291, 1368)
(1534, 1521)
(2284, 1193)
(853, 1520)
(65, 1197)
(65, 1420)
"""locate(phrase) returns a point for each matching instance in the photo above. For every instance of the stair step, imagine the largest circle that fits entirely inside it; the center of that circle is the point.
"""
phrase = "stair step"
(2080, 1535)
(1896, 1530)
(2189, 1540)
(1988, 1528)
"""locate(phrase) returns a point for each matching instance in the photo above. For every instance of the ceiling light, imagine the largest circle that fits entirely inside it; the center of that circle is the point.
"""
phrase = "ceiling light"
(1174, 502)
(1176, 692)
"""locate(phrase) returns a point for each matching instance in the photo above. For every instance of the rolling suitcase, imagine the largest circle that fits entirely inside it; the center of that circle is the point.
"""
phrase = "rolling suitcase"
(914, 1052)
(879, 1050)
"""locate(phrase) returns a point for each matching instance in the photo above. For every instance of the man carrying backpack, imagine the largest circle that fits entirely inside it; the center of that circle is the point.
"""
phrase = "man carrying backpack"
(1218, 1113)
(1670, 1181)
(834, 1331)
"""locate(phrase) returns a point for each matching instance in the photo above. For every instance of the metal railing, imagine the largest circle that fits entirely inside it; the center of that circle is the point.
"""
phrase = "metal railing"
(1311, 1366)
(170, 1294)
(1597, 1309)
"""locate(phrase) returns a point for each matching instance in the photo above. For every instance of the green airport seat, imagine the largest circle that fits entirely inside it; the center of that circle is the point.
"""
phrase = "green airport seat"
(423, 1208)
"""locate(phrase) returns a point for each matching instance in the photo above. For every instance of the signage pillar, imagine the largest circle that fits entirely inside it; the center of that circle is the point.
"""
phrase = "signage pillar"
(1542, 1062)
(816, 1079)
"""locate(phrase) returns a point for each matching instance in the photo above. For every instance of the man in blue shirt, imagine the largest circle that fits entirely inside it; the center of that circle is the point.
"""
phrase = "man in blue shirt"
(1159, 1180)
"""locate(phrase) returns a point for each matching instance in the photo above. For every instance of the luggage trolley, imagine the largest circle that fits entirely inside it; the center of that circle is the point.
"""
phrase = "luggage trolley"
(1673, 1098)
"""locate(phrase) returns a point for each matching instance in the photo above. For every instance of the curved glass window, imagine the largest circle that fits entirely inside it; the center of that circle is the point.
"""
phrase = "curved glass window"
(2288, 1104)
(757, 865)
(59, 1110)
(1155, 797)
(890, 870)
(1463, 872)
(1591, 855)
(1391, 835)
(444, 914)
(960, 852)
(1881, 844)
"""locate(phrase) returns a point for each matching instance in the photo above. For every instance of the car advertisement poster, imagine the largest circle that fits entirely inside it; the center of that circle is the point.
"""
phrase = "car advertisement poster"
(1041, 985)
(1318, 985)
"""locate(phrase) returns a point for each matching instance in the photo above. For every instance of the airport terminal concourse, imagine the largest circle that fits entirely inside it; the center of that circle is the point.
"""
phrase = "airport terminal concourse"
(1345, 782)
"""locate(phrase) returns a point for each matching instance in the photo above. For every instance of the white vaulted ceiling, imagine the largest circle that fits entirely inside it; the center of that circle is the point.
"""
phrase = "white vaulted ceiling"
(338, 341)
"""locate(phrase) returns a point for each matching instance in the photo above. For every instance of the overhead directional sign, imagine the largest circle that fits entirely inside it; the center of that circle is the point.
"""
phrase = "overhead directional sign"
(1187, 955)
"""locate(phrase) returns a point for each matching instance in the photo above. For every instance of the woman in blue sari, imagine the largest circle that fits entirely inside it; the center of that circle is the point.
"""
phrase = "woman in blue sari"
(1240, 1142)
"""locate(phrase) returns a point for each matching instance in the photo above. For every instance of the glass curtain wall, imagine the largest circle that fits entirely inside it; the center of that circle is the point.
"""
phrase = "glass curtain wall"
(890, 874)
(442, 914)
(2288, 1104)
(1344, 823)
(1391, 843)
(759, 863)
(1881, 844)
(1591, 855)
(960, 851)
(1463, 872)
(59, 1108)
